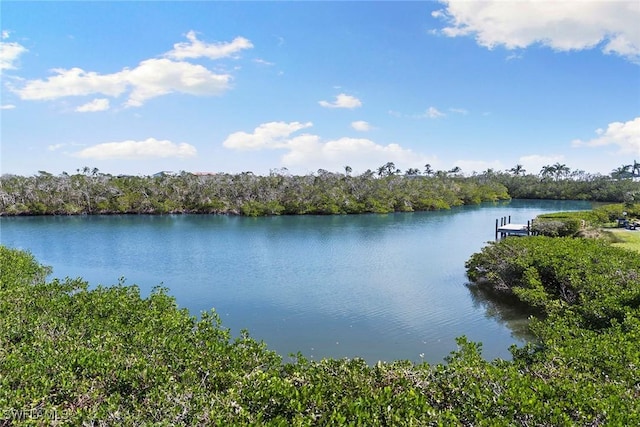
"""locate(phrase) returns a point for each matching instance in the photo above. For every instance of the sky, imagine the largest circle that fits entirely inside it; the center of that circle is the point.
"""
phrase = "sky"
(227, 87)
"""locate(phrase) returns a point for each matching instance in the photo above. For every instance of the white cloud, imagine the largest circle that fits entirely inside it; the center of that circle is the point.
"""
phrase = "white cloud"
(55, 147)
(625, 135)
(302, 148)
(198, 49)
(151, 78)
(9, 53)
(73, 82)
(361, 126)
(267, 135)
(7, 107)
(433, 113)
(263, 62)
(99, 104)
(561, 25)
(429, 113)
(309, 152)
(342, 101)
(459, 111)
(135, 150)
(156, 77)
(533, 163)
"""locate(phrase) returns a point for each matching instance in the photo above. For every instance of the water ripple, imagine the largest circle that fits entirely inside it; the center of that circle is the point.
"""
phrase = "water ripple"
(374, 286)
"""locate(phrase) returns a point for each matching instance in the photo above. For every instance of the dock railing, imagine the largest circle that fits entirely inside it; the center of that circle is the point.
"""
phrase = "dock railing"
(505, 228)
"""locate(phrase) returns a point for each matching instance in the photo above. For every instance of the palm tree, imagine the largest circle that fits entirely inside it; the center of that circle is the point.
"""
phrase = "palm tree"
(547, 171)
(388, 169)
(428, 170)
(347, 170)
(368, 174)
(455, 170)
(518, 170)
(412, 172)
(622, 172)
(561, 170)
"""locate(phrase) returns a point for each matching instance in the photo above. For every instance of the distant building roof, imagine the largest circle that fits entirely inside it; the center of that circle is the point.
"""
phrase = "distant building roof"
(163, 173)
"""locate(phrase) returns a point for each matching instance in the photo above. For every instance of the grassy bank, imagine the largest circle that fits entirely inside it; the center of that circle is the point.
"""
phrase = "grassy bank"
(628, 239)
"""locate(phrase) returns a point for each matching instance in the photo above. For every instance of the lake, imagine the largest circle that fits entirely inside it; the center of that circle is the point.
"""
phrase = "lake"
(380, 287)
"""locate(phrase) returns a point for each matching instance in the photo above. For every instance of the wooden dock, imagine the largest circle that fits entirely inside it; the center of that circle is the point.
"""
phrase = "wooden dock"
(505, 228)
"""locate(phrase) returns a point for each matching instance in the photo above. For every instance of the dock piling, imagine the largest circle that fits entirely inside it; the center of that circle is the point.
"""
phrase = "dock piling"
(505, 228)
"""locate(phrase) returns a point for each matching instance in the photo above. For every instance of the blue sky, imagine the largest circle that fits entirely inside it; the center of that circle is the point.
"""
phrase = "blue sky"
(139, 87)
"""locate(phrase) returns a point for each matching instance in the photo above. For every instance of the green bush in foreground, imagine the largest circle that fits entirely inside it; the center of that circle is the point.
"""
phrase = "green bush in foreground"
(106, 356)
(588, 339)
(584, 276)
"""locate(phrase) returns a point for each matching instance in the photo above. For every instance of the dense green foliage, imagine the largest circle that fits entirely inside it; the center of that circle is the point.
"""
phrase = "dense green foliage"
(91, 192)
(574, 186)
(77, 355)
(582, 275)
(567, 224)
(246, 193)
(558, 225)
(589, 295)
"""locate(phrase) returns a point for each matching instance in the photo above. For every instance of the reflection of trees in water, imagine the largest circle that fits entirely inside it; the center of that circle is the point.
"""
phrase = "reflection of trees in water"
(505, 309)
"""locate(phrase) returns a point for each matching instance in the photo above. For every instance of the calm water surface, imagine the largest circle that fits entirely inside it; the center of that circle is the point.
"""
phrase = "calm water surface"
(380, 287)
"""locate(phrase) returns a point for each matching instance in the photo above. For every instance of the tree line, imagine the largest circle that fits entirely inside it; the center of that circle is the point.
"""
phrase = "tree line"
(559, 182)
(385, 190)
(245, 193)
